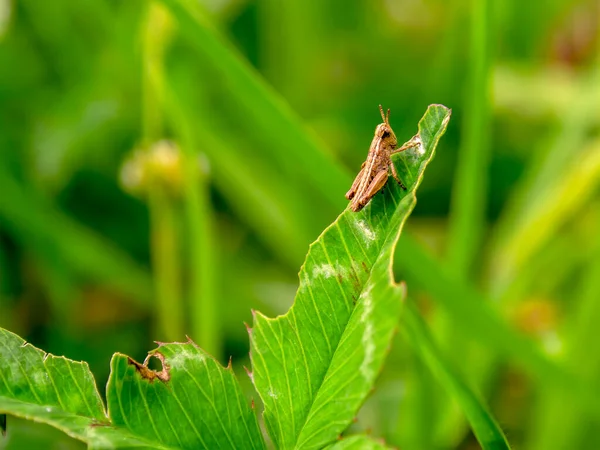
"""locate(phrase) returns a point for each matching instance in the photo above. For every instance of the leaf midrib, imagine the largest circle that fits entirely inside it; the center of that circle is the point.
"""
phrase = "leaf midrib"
(390, 235)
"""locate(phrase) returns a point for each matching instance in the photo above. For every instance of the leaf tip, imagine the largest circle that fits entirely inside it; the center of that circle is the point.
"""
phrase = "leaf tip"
(249, 373)
(401, 285)
(191, 341)
(257, 316)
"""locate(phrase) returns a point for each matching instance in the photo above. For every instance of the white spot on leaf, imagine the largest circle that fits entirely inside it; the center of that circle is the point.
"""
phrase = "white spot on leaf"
(420, 148)
(324, 270)
(273, 394)
(181, 357)
(40, 379)
(328, 271)
(365, 231)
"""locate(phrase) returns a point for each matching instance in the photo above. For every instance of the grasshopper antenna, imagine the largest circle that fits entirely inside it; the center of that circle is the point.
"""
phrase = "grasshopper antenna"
(385, 117)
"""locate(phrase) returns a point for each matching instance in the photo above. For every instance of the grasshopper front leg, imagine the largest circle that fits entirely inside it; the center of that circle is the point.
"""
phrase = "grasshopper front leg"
(414, 142)
(376, 184)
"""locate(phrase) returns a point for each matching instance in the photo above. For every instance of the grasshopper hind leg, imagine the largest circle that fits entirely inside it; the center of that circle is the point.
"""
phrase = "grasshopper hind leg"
(352, 192)
(376, 184)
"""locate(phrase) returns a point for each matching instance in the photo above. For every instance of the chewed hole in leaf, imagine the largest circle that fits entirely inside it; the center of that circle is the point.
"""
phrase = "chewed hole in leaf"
(154, 367)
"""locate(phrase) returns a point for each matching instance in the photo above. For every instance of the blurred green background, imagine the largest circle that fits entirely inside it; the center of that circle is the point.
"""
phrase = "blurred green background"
(164, 166)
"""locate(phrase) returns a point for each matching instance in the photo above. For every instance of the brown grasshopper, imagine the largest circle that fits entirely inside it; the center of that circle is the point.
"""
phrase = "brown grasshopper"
(375, 170)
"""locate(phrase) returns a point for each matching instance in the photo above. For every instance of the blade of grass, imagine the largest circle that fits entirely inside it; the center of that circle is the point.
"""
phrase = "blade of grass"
(256, 101)
(467, 215)
(483, 424)
(57, 239)
(462, 304)
(469, 193)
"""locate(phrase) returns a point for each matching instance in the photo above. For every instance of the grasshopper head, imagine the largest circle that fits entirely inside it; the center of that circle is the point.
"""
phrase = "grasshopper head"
(384, 130)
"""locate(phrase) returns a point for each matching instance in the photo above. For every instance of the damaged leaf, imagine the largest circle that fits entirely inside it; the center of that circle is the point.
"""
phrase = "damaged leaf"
(314, 366)
(191, 403)
(56, 391)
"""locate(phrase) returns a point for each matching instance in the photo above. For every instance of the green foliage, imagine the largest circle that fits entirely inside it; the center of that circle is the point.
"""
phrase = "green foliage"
(193, 402)
(312, 367)
(271, 106)
(56, 391)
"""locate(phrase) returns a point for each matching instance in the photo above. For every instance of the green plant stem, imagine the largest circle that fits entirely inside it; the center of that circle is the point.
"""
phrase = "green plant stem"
(483, 424)
(201, 235)
(164, 247)
(203, 255)
(467, 217)
(152, 49)
(165, 263)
